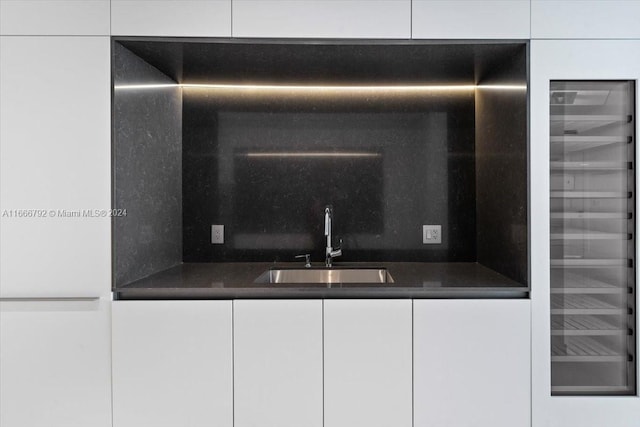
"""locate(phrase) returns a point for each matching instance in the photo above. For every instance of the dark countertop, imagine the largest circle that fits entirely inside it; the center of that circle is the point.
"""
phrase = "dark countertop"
(411, 280)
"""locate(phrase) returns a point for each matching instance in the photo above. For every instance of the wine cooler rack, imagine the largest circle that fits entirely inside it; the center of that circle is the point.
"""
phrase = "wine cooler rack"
(592, 232)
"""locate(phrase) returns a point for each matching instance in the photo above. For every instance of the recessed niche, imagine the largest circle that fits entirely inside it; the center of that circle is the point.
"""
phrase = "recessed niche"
(261, 135)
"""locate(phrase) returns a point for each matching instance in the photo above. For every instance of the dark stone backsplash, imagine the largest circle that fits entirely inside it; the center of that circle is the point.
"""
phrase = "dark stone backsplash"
(398, 172)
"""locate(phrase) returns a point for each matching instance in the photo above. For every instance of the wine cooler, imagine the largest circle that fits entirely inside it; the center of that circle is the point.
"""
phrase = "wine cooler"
(592, 166)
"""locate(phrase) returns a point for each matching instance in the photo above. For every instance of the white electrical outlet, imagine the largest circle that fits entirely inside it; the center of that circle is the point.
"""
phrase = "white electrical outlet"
(217, 234)
(431, 234)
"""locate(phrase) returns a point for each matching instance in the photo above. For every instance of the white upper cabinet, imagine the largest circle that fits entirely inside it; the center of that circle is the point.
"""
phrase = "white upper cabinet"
(389, 19)
(55, 157)
(277, 363)
(171, 18)
(585, 19)
(470, 19)
(472, 363)
(55, 365)
(54, 17)
(172, 364)
(367, 363)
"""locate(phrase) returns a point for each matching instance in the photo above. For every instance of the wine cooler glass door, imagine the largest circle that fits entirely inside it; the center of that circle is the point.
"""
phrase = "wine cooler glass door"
(592, 232)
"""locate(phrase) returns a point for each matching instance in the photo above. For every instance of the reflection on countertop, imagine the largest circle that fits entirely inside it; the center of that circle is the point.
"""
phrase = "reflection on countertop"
(237, 280)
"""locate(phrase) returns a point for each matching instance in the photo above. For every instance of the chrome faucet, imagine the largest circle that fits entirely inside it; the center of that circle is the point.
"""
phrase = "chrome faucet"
(330, 251)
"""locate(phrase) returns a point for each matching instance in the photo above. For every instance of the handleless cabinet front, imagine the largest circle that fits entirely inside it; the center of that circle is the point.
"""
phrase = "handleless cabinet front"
(472, 363)
(367, 363)
(387, 19)
(585, 19)
(172, 364)
(55, 156)
(171, 18)
(55, 365)
(470, 19)
(54, 17)
(277, 363)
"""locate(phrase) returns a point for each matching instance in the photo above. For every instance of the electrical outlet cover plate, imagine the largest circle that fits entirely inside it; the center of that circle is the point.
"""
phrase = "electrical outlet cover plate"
(431, 234)
(217, 234)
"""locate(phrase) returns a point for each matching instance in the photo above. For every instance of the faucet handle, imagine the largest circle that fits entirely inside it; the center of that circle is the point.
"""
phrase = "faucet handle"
(307, 258)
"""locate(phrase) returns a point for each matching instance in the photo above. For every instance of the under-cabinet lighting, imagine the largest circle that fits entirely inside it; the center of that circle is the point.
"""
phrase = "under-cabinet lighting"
(502, 87)
(313, 154)
(382, 88)
(143, 86)
(356, 88)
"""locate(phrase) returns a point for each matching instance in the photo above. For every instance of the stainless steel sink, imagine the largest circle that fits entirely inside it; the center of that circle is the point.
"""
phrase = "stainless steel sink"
(325, 275)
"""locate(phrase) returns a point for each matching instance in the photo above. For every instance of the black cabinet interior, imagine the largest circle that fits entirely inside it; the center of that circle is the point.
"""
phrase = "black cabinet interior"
(260, 135)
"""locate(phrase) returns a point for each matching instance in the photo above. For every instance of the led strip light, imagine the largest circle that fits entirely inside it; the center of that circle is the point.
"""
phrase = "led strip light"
(251, 87)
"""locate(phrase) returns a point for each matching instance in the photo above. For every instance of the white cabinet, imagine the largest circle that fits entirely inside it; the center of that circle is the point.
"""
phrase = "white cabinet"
(367, 363)
(55, 365)
(171, 18)
(585, 19)
(54, 17)
(567, 60)
(322, 18)
(172, 363)
(55, 153)
(470, 19)
(472, 363)
(277, 363)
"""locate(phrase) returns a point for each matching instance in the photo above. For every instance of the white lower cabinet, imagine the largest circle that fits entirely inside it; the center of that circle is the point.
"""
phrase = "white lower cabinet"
(314, 363)
(472, 363)
(55, 366)
(277, 363)
(172, 364)
(367, 363)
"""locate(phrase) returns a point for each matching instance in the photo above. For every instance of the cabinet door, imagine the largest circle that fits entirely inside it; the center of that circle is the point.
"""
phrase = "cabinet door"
(55, 153)
(277, 363)
(172, 363)
(470, 19)
(367, 363)
(54, 17)
(585, 19)
(55, 363)
(472, 363)
(324, 18)
(171, 18)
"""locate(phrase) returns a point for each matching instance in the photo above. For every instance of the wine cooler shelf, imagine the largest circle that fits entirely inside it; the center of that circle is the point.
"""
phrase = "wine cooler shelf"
(571, 262)
(591, 194)
(591, 166)
(564, 233)
(592, 237)
(583, 304)
(585, 325)
(575, 143)
(566, 282)
(574, 124)
(590, 215)
(590, 389)
(585, 349)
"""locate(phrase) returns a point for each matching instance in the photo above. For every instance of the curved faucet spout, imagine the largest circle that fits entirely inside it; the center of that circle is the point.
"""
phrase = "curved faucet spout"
(329, 251)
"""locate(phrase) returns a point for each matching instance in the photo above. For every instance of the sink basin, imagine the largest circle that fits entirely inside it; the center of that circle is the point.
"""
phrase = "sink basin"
(325, 275)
